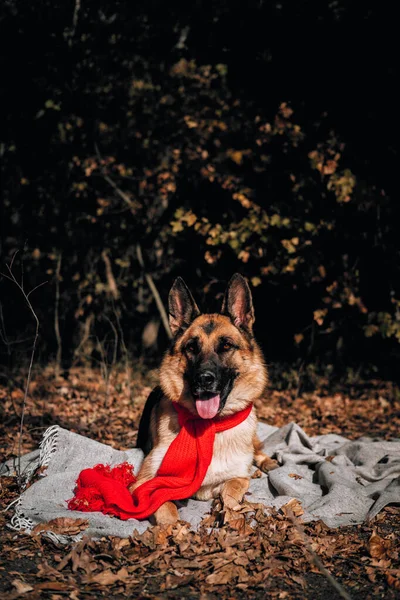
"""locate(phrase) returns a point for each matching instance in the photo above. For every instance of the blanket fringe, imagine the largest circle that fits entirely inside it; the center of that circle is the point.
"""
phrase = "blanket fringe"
(18, 521)
(47, 448)
(28, 473)
(48, 445)
(62, 540)
(21, 523)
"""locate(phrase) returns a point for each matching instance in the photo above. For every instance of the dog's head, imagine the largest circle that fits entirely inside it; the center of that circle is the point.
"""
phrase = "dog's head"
(214, 365)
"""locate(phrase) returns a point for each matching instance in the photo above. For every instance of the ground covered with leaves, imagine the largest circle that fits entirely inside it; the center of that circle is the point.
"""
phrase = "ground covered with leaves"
(233, 555)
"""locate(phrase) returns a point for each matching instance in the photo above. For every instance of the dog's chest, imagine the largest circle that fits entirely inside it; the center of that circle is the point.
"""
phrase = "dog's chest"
(232, 454)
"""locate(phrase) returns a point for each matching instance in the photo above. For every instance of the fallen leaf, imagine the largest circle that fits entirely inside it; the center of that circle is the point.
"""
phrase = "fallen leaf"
(107, 577)
(62, 525)
(393, 578)
(379, 547)
(119, 543)
(220, 577)
(52, 585)
(174, 581)
(293, 506)
(21, 586)
(161, 533)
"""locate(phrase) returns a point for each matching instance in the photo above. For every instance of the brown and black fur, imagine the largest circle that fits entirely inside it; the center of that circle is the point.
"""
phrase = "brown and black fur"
(210, 354)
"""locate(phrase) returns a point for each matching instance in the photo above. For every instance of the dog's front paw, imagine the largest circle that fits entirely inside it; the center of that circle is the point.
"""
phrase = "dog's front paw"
(233, 492)
(267, 464)
(167, 514)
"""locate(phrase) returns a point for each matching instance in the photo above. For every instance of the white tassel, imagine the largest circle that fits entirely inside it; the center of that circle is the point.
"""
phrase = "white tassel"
(48, 445)
(47, 448)
(19, 522)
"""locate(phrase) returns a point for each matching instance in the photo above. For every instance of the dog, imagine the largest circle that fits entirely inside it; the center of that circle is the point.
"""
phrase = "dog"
(213, 368)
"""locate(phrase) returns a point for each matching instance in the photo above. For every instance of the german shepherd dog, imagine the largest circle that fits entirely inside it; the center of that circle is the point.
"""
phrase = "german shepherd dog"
(213, 367)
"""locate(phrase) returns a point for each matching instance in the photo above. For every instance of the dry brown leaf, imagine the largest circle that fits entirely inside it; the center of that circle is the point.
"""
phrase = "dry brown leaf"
(295, 476)
(21, 587)
(379, 547)
(241, 560)
(296, 537)
(184, 563)
(181, 533)
(84, 561)
(107, 577)
(174, 581)
(119, 543)
(46, 571)
(183, 547)
(293, 506)
(62, 525)
(220, 577)
(241, 525)
(241, 573)
(161, 533)
(299, 580)
(253, 553)
(393, 578)
(150, 558)
(52, 585)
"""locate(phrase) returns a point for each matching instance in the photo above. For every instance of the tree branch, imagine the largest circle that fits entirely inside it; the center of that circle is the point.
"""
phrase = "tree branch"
(154, 291)
(316, 559)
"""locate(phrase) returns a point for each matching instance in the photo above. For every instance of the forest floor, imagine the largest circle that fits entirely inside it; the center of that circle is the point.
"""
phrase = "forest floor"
(276, 558)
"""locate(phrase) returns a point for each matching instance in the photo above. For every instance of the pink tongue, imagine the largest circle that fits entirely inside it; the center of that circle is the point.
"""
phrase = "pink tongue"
(207, 409)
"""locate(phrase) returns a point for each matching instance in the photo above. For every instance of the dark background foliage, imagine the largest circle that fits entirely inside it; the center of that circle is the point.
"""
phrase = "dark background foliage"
(142, 140)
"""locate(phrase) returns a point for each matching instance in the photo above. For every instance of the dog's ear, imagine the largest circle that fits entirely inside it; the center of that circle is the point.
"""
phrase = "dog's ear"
(238, 303)
(181, 307)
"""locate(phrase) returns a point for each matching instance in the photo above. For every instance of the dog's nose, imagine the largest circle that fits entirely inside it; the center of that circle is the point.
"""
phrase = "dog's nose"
(206, 379)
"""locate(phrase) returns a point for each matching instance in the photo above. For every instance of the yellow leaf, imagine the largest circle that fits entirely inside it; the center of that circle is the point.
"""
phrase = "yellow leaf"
(255, 281)
(237, 157)
(319, 315)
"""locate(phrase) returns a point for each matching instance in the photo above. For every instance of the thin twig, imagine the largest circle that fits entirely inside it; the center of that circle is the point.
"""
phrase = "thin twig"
(112, 285)
(154, 291)
(57, 318)
(28, 380)
(124, 350)
(3, 332)
(75, 17)
(12, 260)
(118, 190)
(115, 332)
(303, 362)
(111, 182)
(103, 362)
(316, 559)
(114, 359)
(85, 335)
(35, 288)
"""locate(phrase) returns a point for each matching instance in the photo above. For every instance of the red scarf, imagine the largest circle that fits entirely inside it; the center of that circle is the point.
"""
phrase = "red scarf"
(180, 475)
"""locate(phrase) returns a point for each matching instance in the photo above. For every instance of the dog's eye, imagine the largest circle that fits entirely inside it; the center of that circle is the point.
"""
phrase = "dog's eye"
(225, 346)
(192, 347)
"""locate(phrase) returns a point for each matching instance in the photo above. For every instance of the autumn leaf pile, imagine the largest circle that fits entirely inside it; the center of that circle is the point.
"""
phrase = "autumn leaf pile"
(237, 553)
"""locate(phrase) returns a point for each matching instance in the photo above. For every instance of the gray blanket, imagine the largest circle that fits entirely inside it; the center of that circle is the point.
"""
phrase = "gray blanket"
(339, 481)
